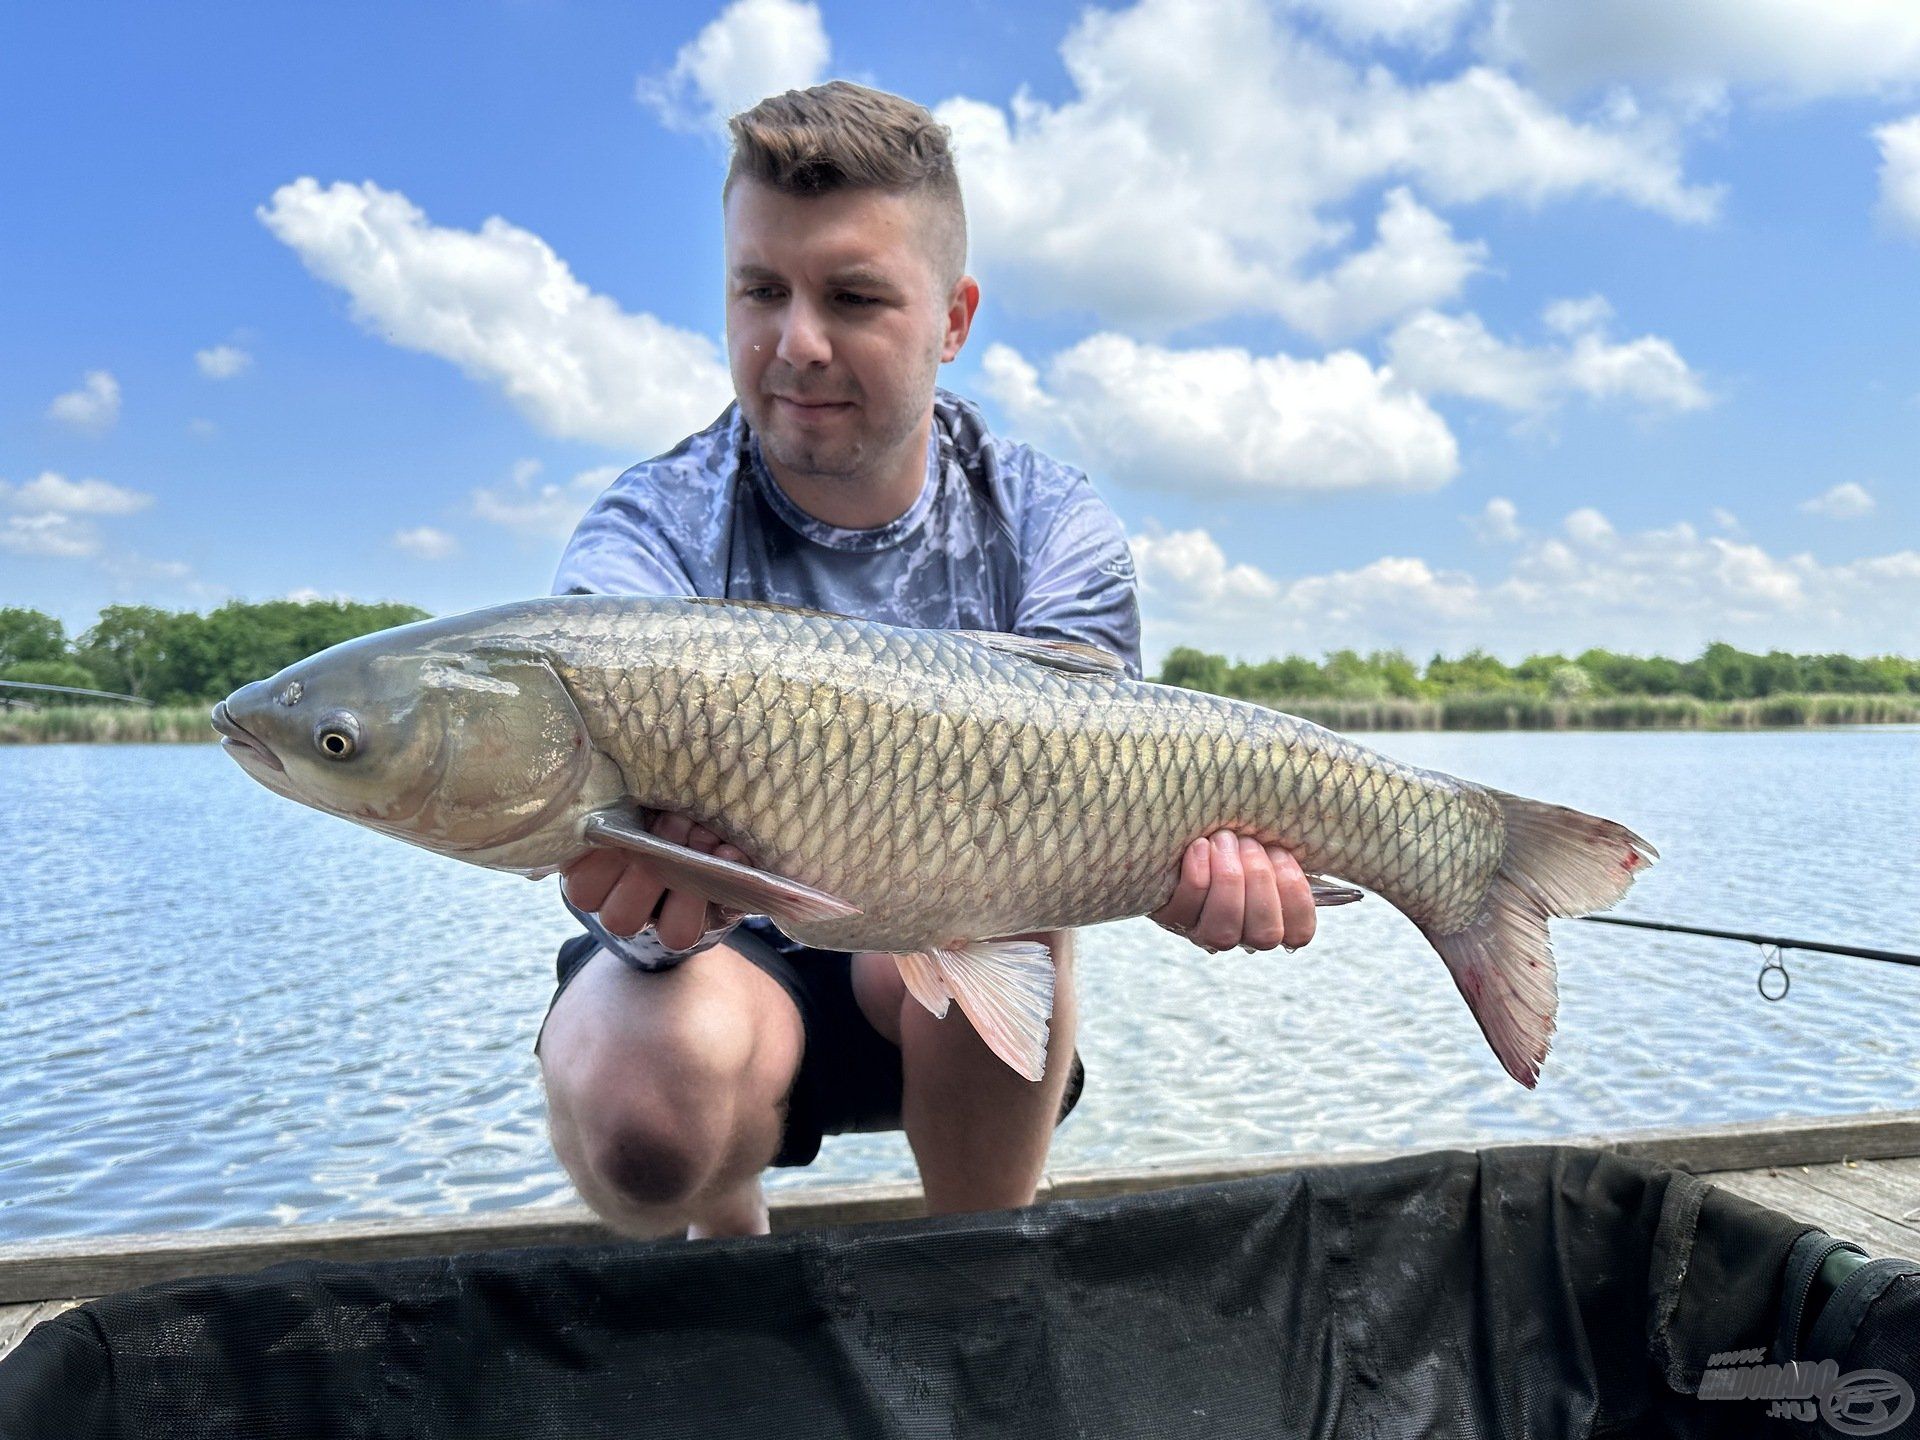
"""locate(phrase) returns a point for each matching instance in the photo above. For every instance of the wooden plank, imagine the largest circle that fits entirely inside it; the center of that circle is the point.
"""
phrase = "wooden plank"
(17, 1320)
(1789, 1192)
(1756, 1144)
(1888, 1188)
(103, 1264)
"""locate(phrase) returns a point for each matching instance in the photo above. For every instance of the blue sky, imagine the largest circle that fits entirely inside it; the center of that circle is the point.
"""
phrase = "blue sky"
(1426, 323)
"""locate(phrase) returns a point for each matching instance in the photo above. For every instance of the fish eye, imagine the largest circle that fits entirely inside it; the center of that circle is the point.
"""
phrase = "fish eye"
(337, 736)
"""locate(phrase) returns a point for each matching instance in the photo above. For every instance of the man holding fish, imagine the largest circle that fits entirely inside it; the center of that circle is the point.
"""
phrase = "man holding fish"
(684, 1051)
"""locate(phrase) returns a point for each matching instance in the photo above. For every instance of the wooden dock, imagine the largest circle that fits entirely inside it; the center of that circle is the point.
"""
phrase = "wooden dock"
(1855, 1176)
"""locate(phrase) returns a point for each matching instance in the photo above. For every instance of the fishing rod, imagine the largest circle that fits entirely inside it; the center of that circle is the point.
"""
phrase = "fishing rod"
(1773, 948)
(75, 690)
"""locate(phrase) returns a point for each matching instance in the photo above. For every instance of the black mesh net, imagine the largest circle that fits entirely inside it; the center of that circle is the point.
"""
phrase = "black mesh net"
(1526, 1291)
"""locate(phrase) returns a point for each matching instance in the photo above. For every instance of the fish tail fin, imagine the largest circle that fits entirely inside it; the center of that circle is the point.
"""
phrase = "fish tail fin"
(1559, 862)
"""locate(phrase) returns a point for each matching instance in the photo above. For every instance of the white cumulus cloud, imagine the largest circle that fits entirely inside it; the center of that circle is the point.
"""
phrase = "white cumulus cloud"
(94, 406)
(502, 306)
(1667, 590)
(52, 493)
(49, 533)
(1900, 174)
(426, 542)
(1846, 501)
(53, 516)
(1224, 419)
(1423, 23)
(1499, 522)
(1790, 49)
(222, 362)
(1457, 355)
(752, 49)
(1204, 162)
(541, 511)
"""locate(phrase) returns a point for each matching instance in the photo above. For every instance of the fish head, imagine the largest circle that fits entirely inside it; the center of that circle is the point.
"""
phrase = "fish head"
(475, 750)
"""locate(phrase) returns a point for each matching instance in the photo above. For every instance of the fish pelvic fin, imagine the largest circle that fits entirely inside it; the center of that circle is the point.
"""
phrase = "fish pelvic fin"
(1005, 987)
(1558, 862)
(922, 976)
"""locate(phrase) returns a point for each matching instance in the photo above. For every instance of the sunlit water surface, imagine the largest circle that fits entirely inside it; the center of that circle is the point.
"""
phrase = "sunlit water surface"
(221, 1009)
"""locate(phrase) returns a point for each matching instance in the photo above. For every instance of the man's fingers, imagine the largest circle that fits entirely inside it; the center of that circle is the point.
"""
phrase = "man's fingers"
(1222, 915)
(1262, 928)
(683, 914)
(588, 879)
(1296, 898)
(676, 828)
(628, 908)
(1182, 909)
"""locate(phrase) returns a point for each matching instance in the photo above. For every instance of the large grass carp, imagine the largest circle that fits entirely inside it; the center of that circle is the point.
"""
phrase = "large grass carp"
(920, 792)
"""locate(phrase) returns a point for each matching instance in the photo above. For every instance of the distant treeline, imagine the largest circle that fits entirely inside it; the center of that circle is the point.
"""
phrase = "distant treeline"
(179, 657)
(183, 661)
(1721, 673)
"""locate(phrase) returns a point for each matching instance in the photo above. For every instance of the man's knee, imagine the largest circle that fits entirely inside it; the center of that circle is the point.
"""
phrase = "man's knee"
(649, 1160)
(655, 1083)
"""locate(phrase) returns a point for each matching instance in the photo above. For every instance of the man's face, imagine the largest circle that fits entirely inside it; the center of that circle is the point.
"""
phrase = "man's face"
(836, 324)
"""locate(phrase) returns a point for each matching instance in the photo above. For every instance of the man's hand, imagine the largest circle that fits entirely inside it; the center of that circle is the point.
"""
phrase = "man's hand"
(624, 889)
(1236, 891)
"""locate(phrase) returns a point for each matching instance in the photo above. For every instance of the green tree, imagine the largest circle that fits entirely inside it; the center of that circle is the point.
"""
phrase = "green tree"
(27, 635)
(1194, 670)
(127, 648)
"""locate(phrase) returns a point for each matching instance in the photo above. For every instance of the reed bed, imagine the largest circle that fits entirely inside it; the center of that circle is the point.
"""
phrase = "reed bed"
(89, 724)
(186, 724)
(1619, 712)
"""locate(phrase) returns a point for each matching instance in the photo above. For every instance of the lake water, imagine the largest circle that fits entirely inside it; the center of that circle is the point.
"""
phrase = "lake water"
(219, 1008)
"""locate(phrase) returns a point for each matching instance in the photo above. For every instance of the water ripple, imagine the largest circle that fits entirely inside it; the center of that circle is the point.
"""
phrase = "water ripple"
(226, 1010)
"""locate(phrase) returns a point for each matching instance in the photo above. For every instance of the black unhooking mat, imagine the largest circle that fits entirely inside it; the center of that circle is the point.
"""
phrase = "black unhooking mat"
(1525, 1291)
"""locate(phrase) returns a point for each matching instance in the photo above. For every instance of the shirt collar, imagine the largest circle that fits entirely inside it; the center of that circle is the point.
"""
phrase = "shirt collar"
(841, 537)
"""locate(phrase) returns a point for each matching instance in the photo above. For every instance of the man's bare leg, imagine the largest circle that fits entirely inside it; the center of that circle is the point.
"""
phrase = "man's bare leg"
(979, 1131)
(664, 1090)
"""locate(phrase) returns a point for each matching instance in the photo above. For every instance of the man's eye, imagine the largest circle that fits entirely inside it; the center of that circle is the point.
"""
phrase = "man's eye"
(847, 297)
(762, 292)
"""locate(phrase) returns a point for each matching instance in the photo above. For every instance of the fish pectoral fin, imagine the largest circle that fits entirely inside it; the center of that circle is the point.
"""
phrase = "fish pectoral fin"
(739, 887)
(1068, 655)
(922, 974)
(1005, 987)
(1329, 892)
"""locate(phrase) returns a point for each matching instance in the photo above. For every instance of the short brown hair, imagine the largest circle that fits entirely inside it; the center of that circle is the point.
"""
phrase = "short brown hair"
(843, 136)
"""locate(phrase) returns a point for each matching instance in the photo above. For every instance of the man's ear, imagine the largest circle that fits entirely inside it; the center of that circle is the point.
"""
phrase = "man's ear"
(962, 302)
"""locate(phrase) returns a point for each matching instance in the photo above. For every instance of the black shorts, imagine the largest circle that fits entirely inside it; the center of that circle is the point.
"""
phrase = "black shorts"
(849, 1077)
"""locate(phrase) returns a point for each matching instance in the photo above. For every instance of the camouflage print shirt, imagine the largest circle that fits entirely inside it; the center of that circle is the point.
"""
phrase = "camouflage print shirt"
(1001, 538)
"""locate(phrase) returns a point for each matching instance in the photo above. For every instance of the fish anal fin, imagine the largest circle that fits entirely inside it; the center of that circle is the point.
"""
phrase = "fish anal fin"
(1005, 987)
(738, 887)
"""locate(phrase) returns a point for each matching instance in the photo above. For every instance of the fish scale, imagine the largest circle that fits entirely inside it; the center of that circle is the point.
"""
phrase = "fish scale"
(994, 796)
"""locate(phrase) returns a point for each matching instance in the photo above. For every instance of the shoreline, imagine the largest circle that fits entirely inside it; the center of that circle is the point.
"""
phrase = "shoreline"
(188, 724)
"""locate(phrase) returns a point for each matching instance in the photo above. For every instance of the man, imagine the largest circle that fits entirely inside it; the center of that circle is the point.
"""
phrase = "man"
(684, 1052)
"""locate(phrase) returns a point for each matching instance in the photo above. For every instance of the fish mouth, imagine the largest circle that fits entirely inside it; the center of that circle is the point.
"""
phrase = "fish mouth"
(237, 740)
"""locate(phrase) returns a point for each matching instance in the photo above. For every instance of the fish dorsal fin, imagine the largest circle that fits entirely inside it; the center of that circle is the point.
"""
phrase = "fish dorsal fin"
(1066, 655)
(758, 605)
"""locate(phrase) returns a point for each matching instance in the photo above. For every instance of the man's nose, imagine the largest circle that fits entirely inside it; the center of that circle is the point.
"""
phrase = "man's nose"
(803, 336)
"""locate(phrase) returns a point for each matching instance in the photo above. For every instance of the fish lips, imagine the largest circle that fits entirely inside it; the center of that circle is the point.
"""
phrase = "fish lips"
(242, 743)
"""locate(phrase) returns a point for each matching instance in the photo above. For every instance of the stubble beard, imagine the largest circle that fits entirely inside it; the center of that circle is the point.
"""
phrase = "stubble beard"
(850, 459)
